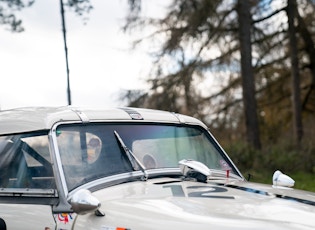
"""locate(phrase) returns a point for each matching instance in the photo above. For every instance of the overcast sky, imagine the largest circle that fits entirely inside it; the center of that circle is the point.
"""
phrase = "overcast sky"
(33, 70)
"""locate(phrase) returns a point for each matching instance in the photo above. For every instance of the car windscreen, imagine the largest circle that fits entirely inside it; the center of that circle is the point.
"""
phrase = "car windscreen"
(91, 151)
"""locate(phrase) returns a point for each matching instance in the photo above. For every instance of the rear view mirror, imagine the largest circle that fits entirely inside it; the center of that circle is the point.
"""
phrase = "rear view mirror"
(281, 180)
(83, 202)
(194, 169)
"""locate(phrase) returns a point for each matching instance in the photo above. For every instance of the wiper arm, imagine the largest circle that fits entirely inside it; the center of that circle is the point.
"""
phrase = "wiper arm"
(135, 162)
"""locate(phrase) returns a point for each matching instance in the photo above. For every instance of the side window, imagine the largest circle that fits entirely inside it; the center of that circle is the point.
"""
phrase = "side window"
(25, 162)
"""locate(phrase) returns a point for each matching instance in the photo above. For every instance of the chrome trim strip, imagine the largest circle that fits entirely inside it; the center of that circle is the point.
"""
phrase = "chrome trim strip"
(225, 154)
(84, 118)
(132, 176)
(27, 192)
(179, 118)
(57, 161)
(262, 192)
(134, 115)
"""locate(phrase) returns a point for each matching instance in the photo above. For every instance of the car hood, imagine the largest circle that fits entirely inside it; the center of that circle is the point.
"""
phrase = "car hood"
(168, 204)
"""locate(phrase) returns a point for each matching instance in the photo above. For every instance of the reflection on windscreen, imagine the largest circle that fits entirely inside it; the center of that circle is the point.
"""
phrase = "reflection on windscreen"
(91, 151)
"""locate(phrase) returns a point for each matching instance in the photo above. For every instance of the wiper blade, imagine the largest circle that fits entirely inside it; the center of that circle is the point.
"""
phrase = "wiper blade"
(135, 162)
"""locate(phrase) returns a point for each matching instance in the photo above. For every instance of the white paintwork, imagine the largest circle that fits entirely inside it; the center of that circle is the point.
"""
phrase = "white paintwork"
(27, 216)
(163, 203)
(152, 205)
(40, 118)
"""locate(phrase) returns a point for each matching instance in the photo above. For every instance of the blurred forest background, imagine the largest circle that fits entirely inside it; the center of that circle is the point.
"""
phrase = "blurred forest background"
(246, 68)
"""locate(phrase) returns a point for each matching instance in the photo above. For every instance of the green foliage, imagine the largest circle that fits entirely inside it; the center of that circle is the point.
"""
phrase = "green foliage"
(303, 180)
(80, 7)
(197, 67)
(7, 17)
(261, 164)
(191, 30)
(8, 9)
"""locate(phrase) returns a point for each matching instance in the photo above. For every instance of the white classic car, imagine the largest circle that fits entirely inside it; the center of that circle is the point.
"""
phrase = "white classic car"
(128, 168)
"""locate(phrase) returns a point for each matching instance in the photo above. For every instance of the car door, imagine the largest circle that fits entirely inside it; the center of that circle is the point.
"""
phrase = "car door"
(27, 184)
(26, 216)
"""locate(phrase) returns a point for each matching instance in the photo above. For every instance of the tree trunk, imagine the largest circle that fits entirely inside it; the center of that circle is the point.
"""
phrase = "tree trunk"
(248, 81)
(62, 12)
(296, 98)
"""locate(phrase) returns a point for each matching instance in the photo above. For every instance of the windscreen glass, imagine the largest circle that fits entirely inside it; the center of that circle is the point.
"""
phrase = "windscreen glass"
(93, 151)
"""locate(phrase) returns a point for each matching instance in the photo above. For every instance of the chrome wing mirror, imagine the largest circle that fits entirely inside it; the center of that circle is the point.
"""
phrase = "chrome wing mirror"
(83, 202)
(194, 169)
(281, 180)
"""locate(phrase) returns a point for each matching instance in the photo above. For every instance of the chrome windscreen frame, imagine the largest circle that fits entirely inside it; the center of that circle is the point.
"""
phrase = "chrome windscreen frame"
(225, 154)
(63, 205)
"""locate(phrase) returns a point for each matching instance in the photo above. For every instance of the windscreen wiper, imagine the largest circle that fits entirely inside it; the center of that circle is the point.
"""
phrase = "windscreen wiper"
(135, 162)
